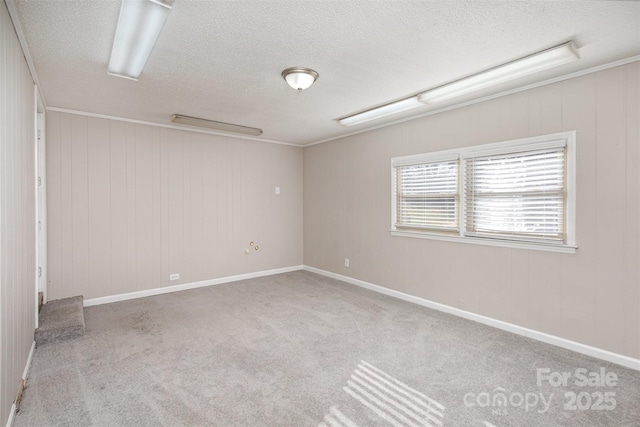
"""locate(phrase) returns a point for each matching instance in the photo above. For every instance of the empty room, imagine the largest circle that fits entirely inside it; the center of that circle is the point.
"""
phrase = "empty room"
(319, 213)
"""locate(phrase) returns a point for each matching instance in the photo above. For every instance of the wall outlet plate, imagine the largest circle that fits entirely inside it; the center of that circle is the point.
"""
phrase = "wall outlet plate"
(346, 262)
(175, 276)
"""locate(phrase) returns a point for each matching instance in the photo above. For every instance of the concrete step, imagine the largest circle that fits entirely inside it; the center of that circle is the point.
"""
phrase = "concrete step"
(60, 320)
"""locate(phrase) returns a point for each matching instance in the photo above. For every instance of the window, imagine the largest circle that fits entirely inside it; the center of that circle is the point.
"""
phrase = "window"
(427, 196)
(516, 193)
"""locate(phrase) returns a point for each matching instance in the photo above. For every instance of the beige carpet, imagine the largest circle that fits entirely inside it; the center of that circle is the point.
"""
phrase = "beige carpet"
(300, 349)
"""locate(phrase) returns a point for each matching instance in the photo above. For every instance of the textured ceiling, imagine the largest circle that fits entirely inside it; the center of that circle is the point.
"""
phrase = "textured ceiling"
(221, 60)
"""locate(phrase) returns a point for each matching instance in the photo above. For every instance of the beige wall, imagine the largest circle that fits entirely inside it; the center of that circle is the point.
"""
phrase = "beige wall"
(592, 297)
(130, 204)
(17, 214)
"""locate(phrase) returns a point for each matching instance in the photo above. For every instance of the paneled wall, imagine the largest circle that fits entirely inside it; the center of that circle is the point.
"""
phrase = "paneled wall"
(17, 213)
(592, 297)
(130, 204)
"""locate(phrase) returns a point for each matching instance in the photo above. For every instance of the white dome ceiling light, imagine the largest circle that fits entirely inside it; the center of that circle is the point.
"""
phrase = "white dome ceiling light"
(300, 78)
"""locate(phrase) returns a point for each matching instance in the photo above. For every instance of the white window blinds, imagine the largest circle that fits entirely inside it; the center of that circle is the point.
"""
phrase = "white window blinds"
(517, 195)
(427, 196)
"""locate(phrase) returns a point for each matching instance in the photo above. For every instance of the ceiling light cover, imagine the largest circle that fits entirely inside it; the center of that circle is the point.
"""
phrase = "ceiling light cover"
(537, 62)
(385, 110)
(300, 78)
(211, 124)
(139, 26)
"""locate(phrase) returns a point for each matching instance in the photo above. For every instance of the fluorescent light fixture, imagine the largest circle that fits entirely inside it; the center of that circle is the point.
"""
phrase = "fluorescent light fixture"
(139, 27)
(537, 62)
(211, 124)
(383, 111)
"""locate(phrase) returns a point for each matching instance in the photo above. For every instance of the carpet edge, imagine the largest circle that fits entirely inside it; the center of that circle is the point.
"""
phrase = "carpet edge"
(598, 353)
(185, 286)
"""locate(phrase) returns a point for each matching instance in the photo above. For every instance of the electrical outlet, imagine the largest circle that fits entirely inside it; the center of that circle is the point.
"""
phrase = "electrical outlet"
(175, 276)
(277, 190)
(346, 262)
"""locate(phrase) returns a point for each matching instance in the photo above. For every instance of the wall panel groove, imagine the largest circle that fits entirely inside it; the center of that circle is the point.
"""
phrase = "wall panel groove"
(592, 296)
(142, 202)
(17, 213)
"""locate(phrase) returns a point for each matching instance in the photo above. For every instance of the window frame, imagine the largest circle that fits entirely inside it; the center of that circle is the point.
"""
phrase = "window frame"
(438, 157)
(562, 139)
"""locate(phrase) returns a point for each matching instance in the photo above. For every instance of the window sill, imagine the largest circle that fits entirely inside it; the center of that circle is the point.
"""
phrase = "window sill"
(566, 249)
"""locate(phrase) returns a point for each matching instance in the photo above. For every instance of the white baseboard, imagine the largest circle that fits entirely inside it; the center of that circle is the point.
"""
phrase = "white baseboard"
(185, 286)
(619, 359)
(12, 412)
(28, 365)
(599, 353)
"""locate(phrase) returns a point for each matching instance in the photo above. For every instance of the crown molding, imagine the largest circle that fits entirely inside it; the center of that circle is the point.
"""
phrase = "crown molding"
(13, 14)
(169, 126)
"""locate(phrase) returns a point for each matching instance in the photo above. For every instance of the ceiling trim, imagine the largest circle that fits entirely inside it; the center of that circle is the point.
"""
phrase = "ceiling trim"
(13, 14)
(169, 126)
(487, 98)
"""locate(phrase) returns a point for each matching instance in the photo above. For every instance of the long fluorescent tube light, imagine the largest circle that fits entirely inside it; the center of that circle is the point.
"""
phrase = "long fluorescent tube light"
(138, 29)
(385, 110)
(211, 124)
(537, 62)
